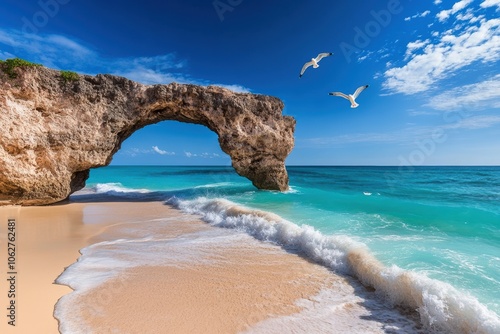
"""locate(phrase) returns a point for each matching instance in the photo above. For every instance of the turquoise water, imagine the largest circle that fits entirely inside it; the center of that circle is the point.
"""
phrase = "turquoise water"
(440, 223)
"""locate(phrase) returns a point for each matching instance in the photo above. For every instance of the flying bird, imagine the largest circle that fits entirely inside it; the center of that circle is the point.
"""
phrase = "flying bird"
(351, 98)
(314, 62)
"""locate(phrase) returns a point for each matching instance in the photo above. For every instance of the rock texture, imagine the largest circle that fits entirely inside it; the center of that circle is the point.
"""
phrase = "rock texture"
(54, 131)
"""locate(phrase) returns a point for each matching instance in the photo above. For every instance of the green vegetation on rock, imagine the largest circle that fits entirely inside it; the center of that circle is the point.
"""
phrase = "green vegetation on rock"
(69, 76)
(9, 65)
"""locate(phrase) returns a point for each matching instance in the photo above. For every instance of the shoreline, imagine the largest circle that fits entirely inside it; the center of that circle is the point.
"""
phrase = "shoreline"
(236, 284)
(48, 239)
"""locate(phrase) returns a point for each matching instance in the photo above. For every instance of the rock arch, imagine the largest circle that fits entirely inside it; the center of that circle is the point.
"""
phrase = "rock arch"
(55, 130)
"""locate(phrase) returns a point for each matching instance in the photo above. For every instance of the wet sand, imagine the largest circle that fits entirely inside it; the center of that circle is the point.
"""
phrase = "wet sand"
(230, 296)
(202, 280)
(242, 287)
(48, 240)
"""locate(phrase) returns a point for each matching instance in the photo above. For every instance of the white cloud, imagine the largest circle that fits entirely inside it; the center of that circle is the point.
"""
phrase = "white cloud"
(453, 50)
(49, 51)
(205, 155)
(475, 123)
(490, 3)
(6, 55)
(8, 39)
(445, 14)
(162, 152)
(469, 17)
(364, 55)
(134, 151)
(405, 136)
(478, 96)
(150, 70)
(210, 155)
(234, 88)
(423, 14)
(437, 2)
(67, 44)
(422, 113)
(61, 52)
(361, 58)
(413, 46)
(410, 134)
(355, 138)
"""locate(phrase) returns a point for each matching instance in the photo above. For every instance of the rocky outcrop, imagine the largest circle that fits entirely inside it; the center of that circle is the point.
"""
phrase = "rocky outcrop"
(55, 130)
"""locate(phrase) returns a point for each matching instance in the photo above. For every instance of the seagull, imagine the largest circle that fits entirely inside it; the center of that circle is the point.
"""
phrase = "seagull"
(351, 98)
(314, 62)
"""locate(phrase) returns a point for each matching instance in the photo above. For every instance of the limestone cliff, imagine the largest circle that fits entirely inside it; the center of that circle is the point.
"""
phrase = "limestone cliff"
(55, 130)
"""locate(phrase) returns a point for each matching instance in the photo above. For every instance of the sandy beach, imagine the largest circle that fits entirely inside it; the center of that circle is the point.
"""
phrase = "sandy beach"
(250, 167)
(195, 279)
(242, 288)
(229, 296)
(47, 240)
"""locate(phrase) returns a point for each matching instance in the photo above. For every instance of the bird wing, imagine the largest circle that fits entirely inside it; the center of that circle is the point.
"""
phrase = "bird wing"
(339, 94)
(304, 68)
(359, 90)
(323, 55)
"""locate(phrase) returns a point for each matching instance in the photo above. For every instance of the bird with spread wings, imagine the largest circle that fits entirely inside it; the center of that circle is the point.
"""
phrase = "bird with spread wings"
(314, 62)
(351, 97)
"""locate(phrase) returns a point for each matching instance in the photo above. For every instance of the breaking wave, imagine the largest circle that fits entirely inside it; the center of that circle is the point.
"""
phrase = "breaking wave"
(442, 308)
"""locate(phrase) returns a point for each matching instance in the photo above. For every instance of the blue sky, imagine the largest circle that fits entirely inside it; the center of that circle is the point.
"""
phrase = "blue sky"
(433, 68)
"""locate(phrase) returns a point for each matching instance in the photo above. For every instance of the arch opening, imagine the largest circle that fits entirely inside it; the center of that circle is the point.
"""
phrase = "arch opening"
(84, 123)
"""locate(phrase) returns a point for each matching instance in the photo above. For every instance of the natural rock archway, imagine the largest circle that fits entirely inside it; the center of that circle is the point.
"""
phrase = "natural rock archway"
(54, 129)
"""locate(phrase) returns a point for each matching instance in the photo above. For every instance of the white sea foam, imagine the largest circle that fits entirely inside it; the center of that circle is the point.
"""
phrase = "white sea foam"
(341, 309)
(105, 260)
(101, 188)
(143, 246)
(291, 190)
(115, 190)
(367, 193)
(442, 308)
(215, 185)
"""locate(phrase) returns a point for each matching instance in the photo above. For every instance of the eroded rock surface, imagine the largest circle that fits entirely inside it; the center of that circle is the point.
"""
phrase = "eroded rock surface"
(54, 131)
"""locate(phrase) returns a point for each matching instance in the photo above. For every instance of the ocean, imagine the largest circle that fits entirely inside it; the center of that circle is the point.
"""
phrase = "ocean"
(426, 238)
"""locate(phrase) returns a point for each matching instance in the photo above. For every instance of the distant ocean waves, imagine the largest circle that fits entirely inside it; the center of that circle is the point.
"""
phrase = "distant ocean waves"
(116, 191)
